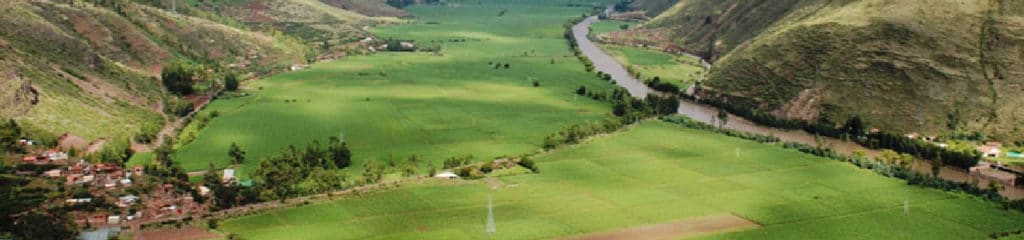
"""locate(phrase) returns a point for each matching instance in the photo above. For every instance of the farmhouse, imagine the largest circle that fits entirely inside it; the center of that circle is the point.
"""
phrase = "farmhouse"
(990, 149)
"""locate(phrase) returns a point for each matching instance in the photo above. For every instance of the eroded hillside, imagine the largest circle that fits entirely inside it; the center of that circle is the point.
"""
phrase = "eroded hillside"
(92, 68)
(926, 66)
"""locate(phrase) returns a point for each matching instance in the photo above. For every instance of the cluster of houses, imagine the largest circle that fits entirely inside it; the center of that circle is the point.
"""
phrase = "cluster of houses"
(47, 157)
(102, 175)
(107, 184)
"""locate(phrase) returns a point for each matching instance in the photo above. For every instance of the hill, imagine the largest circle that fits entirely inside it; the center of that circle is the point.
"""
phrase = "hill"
(373, 8)
(92, 68)
(948, 67)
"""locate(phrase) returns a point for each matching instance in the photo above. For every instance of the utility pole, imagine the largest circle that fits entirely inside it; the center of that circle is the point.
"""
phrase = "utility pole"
(490, 216)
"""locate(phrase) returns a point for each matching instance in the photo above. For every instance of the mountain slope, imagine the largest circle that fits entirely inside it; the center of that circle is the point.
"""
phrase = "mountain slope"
(93, 69)
(927, 66)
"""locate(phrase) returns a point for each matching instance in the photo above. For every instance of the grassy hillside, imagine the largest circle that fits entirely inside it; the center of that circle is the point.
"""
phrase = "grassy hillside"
(653, 7)
(373, 8)
(92, 70)
(925, 66)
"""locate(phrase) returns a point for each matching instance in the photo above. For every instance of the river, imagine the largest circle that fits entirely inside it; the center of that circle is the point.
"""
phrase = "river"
(605, 63)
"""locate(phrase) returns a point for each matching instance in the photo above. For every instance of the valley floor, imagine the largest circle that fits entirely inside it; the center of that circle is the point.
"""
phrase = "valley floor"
(653, 173)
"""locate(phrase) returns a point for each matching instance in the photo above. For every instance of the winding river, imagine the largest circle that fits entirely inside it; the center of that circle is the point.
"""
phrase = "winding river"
(605, 63)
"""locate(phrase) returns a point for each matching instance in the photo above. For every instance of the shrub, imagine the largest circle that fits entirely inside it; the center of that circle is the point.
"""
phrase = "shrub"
(231, 82)
(528, 163)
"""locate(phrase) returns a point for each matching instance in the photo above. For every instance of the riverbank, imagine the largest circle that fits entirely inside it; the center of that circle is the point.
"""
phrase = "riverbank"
(605, 63)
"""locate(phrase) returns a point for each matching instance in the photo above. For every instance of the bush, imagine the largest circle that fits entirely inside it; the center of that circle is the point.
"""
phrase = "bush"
(528, 163)
(231, 82)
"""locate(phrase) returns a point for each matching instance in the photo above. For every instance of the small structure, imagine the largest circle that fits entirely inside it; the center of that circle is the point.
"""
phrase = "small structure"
(446, 175)
(912, 135)
(29, 160)
(126, 201)
(113, 219)
(296, 67)
(78, 200)
(54, 155)
(228, 176)
(991, 149)
(26, 142)
(55, 173)
(203, 190)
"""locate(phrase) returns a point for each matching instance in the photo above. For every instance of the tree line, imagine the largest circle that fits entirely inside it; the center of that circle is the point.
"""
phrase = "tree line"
(853, 129)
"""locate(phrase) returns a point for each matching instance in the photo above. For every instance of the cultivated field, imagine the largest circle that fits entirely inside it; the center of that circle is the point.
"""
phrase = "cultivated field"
(390, 106)
(643, 178)
(680, 70)
(607, 26)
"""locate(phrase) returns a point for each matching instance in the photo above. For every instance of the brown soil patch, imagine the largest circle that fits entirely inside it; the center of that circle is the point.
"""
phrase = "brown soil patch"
(67, 141)
(183, 233)
(675, 230)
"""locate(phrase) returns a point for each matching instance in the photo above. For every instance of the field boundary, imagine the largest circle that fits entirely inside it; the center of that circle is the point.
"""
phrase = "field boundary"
(689, 227)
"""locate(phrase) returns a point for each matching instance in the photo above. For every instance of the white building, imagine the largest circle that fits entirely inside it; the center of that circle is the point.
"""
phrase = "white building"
(446, 175)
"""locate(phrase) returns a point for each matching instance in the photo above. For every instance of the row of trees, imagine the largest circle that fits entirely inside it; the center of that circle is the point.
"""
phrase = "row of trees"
(855, 129)
(957, 156)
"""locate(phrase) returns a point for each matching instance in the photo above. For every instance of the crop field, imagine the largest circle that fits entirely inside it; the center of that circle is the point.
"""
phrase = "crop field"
(607, 26)
(392, 105)
(652, 173)
(679, 70)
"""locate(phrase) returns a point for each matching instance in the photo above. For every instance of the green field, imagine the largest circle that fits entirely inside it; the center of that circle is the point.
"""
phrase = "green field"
(389, 106)
(607, 26)
(652, 173)
(679, 70)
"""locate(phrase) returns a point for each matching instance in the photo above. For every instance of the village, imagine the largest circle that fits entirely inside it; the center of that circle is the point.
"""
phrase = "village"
(110, 195)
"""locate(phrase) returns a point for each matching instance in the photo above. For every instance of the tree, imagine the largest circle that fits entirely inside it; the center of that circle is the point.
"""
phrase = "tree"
(178, 78)
(231, 82)
(236, 154)
(162, 154)
(314, 157)
(581, 91)
(10, 132)
(854, 126)
(339, 153)
(723, 118)
(211, 179)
